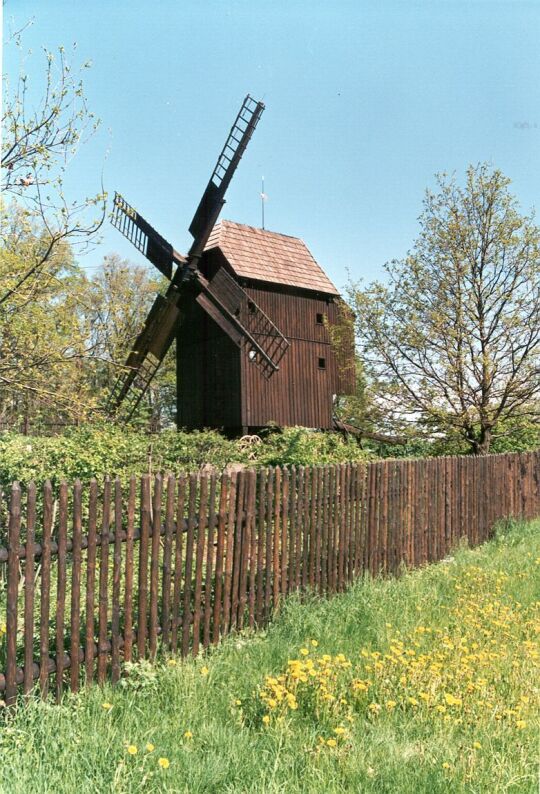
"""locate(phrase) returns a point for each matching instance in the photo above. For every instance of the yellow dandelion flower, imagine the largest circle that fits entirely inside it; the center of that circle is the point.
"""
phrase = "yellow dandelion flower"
(304, 651)
(164, 763)
(446, 765)
(266, 719)
(520, 724)
(477, 745)
(391, 704)
(171, 662)
(188, 735)
(106, 706)
(204, 671)
(340, 730)
(331, 743)
(238, 702)
(150, 747)
(132, 749)
(314, 643)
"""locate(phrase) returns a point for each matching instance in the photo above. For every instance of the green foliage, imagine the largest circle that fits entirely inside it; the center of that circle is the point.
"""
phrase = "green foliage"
(96, 450)
(298, 446)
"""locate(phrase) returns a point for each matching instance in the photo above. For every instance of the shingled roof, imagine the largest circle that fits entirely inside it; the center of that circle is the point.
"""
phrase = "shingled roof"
(268, 256)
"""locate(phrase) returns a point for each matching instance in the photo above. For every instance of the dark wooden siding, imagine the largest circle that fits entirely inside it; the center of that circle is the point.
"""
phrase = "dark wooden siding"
(208, 373)
(300, 393)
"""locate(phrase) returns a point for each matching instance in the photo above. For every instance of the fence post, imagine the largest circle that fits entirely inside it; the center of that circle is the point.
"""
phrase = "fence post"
(14, 530)
(29, 589)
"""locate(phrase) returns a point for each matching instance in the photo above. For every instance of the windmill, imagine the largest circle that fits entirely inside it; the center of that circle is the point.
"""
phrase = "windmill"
(221, 298)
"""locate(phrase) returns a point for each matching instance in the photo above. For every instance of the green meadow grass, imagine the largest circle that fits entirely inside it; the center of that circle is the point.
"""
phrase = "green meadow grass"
(204, 716)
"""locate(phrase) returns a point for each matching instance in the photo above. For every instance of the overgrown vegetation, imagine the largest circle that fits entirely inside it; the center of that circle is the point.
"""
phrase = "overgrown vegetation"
(439, 671)
(96, 450)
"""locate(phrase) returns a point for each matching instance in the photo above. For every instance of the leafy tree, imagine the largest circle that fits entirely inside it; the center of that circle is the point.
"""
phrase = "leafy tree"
(452, 341)
(119, 298)
(42, 336)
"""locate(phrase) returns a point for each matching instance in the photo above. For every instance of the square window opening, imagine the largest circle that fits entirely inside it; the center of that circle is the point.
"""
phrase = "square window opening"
(320, 318)
(322, 363)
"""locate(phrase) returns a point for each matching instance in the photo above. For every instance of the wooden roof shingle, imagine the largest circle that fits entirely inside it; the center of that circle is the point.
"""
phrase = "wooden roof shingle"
(268, 256)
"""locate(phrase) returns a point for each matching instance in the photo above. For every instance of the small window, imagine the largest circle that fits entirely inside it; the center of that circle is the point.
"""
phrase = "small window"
(252, 355)
(320, 318)
(322, 363)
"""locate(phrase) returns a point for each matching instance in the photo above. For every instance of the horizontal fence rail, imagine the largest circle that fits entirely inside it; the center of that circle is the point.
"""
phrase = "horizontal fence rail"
(109, 574)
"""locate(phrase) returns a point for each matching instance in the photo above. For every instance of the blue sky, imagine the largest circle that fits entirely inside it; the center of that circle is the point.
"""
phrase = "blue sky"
(364, 103)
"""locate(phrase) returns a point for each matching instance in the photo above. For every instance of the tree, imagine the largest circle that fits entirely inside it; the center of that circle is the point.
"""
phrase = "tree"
(118, 299)
(452, 341)
(43, 335)
(41, 232)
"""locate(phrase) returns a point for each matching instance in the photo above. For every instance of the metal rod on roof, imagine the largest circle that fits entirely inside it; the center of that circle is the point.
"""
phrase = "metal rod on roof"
(263, 199)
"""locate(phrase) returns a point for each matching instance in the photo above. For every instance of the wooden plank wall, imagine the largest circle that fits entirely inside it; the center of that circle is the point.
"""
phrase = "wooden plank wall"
(300, 393)
(89, 585)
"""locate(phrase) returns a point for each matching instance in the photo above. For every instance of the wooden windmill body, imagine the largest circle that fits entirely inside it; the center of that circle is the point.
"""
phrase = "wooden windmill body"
(250, 311)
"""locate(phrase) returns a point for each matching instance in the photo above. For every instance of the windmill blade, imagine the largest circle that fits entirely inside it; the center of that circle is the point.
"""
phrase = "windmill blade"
(213, 197)
(147, 354)
(144, 237)
(244, 322)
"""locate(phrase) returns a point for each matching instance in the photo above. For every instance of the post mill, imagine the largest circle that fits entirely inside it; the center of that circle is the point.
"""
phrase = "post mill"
(250, 310)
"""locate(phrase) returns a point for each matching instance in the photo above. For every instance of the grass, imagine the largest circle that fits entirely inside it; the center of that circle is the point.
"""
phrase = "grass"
(428, 683)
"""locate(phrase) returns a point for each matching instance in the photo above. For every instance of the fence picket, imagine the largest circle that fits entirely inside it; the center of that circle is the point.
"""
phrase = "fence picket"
(154, 565)
(14, 530)
(103, 613)
(61, 587)
(167, 561)
(188, 564)
(28, 682)
(199, 558)
(128, 572)
(116, 577)
(178, 553)
(76, 559)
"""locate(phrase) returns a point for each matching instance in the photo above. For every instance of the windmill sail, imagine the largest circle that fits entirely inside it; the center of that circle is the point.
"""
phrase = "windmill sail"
(144, 237)
(148, 352)
(247, 322)
(212, 199)
(221, 298)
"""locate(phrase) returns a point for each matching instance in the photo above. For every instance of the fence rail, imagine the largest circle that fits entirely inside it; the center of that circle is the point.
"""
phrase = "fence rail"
(89, 586)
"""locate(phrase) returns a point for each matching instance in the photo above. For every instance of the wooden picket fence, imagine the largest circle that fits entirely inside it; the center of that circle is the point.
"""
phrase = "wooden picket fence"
(89, 587)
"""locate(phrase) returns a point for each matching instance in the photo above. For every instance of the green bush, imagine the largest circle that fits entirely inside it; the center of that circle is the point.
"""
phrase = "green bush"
(97, 450)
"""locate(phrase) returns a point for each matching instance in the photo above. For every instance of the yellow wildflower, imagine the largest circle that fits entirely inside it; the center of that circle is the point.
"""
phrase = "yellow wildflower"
(132, 749)
(150, 747)
(477, 745)
(304, 651)
(314, 643)
(204, 671)
(266, 719)
(106, 706)
(188, 735)
(164, 763)
(331, 743)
